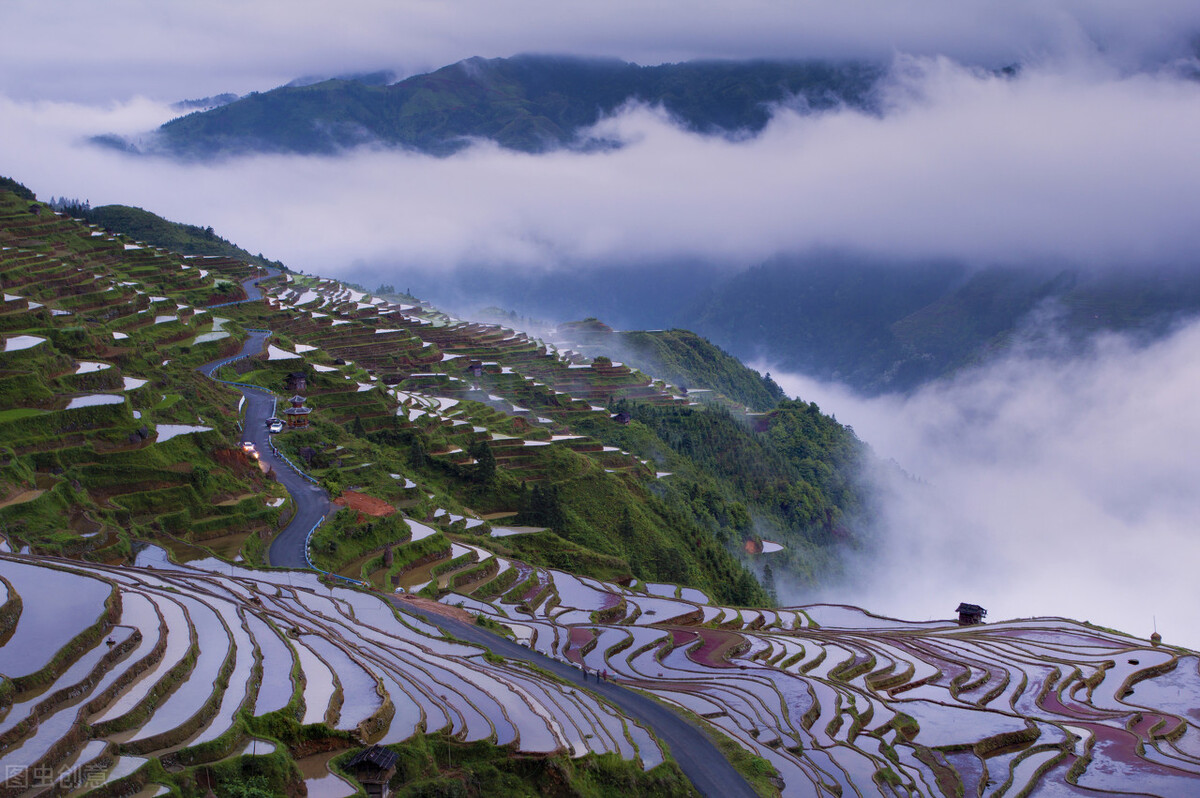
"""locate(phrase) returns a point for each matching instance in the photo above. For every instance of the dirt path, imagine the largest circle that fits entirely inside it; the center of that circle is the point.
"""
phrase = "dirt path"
(22, 497)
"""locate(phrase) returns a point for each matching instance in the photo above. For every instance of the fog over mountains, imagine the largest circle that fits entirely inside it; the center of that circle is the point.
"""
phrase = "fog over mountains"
(922, 203)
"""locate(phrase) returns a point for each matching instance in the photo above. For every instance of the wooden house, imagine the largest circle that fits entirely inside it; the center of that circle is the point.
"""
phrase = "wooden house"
(970, 614)
(296, 381)
(373, 768)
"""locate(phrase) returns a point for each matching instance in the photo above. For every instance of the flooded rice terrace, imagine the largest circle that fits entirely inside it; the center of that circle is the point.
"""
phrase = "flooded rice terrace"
(830, 695)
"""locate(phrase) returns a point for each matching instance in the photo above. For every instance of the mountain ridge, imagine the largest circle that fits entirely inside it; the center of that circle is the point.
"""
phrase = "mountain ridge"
(528, 103)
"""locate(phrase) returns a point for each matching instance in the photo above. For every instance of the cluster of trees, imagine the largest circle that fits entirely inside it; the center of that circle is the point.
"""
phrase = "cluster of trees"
(690, 361)
(188, 239)
(8, 184)
(72, 206)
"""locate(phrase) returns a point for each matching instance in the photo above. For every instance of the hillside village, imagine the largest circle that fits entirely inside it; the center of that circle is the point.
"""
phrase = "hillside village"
(487, 486)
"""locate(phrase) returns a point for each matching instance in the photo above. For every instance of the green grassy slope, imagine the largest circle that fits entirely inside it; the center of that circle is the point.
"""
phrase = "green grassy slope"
(116, 323)
(113, 302)
(186, 239)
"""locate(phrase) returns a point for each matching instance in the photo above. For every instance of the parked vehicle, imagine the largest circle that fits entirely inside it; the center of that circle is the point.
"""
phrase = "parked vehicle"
(276, 426)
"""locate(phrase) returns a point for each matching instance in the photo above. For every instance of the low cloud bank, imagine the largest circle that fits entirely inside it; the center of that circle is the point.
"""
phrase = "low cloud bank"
(1041, 485)
(1068, 162)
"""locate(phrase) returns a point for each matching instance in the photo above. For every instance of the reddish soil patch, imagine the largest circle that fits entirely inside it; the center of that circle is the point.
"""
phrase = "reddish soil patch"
(715, 650)
(681, 637)
(578, 640)
(364, 504)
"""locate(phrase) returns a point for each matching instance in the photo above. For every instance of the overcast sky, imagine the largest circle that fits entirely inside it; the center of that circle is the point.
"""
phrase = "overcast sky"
(82, 49)
(1088, 155)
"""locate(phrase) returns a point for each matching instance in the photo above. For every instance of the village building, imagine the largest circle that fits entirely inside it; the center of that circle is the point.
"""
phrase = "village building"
(297, 414)
(970, 614)
(296, 381)
(373, 768)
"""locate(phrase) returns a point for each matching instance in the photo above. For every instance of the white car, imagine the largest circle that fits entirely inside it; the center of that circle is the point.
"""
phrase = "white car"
(276, 426)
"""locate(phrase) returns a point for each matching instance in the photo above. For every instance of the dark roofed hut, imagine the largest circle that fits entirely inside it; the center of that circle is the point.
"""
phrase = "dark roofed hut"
(374, 767)
(970, 614)
(296, 381)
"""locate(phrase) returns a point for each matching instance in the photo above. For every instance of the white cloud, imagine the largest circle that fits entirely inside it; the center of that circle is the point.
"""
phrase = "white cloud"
(1051, 486)
(1069, 162)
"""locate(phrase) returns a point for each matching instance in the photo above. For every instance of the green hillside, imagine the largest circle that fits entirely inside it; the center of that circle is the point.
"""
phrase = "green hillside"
(97, 379)
(186, 239)
(528, 103)
(674, 492)
(680, 357)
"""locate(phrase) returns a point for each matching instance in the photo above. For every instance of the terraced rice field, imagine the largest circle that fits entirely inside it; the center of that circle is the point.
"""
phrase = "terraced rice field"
(185, 649)
(107, 667)
(837, 700)
(843, 702)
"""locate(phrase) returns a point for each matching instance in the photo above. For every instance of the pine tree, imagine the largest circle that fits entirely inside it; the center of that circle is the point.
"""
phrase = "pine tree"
(485, 463)
(768, 582)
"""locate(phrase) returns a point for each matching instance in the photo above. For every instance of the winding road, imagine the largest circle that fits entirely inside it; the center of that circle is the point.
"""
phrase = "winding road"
(311, 503)
(699, 759)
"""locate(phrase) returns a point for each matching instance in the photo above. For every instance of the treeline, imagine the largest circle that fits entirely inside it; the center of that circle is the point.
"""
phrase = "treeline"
(690, 361)
(186, 239)
(791, 476)
(8, 184)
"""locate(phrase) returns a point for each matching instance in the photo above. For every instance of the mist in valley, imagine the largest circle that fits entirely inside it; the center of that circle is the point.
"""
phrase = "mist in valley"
(1043, 483)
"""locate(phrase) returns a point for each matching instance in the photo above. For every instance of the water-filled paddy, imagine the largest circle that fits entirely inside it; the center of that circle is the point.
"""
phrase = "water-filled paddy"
(200, 683)
(94, 400)
(168, 431)
(18, 342)
(57, 605)
(319, 687)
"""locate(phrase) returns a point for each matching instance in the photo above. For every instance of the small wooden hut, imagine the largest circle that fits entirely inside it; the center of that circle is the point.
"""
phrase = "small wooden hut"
(970, 614)
(373, 768)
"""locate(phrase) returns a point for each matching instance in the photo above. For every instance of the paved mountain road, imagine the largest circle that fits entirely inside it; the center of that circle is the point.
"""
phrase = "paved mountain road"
(310, 501)
(700, 760)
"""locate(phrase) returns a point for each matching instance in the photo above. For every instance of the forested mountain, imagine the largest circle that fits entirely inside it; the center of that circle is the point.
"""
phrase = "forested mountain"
(529, 103)
(892, 326)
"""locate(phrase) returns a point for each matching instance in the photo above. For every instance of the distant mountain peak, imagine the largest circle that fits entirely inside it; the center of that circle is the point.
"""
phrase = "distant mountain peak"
(530, 103)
